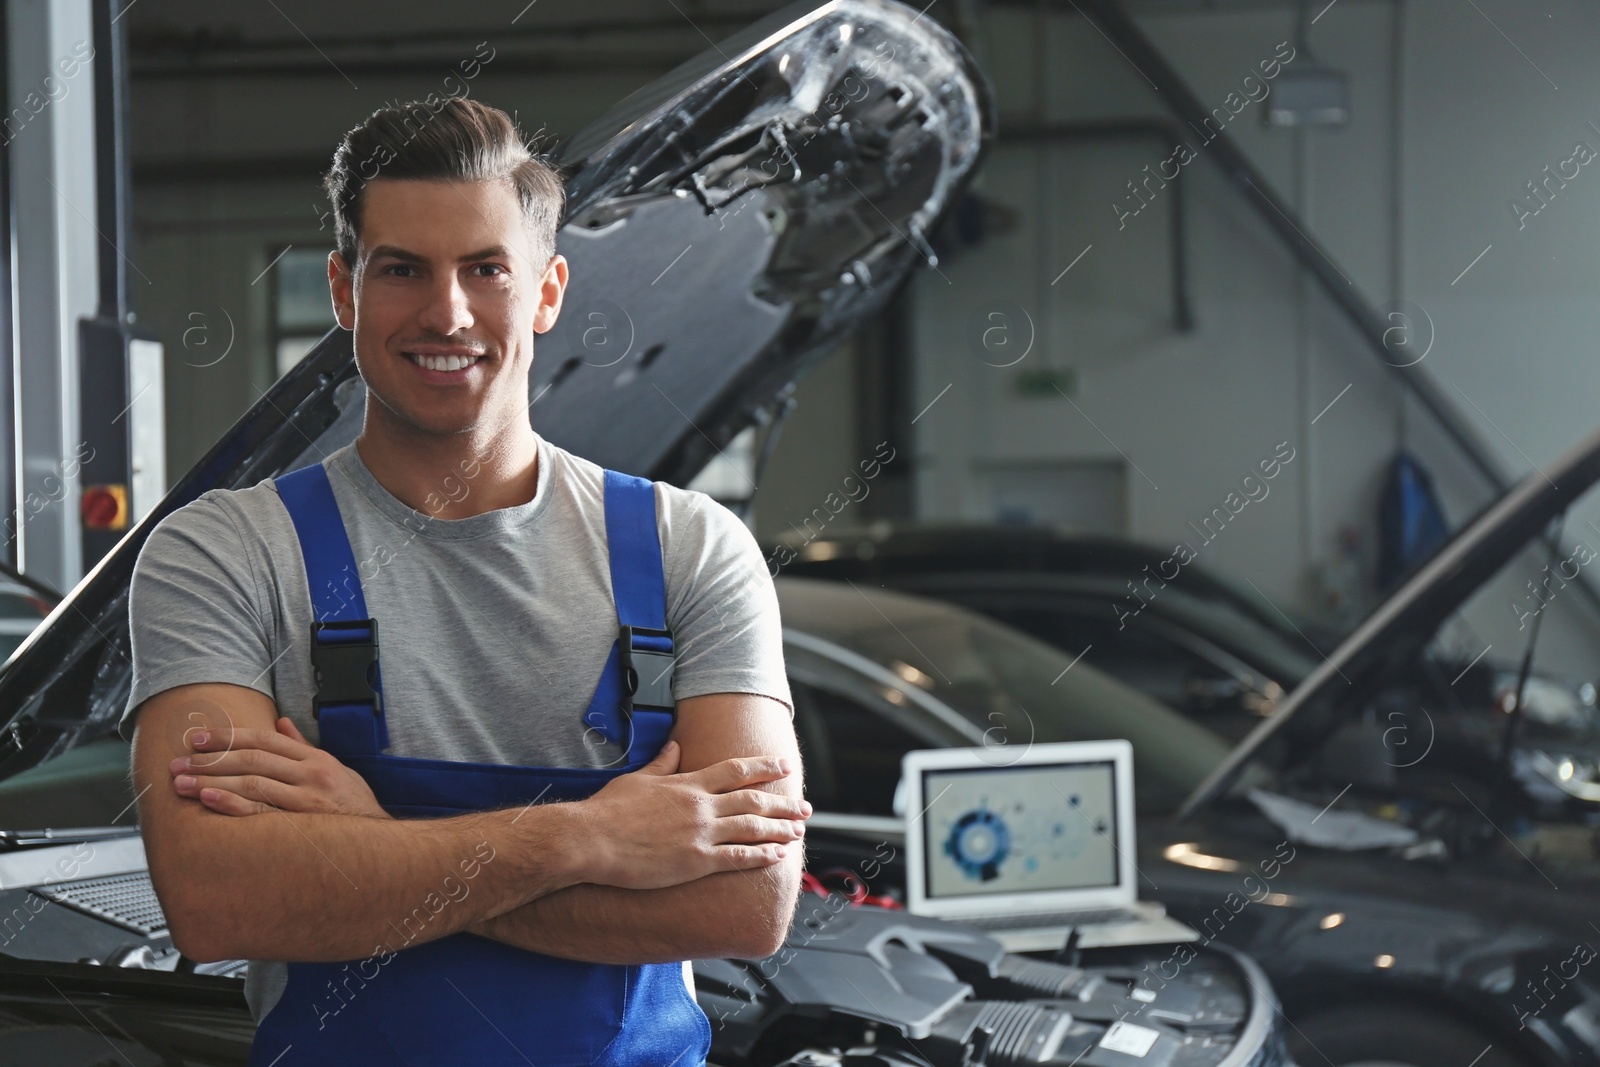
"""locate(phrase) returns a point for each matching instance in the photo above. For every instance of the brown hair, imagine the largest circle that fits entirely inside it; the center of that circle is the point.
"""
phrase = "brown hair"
(458, 140)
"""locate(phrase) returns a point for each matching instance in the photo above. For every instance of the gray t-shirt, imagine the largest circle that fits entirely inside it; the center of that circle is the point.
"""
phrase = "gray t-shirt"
(493, 628)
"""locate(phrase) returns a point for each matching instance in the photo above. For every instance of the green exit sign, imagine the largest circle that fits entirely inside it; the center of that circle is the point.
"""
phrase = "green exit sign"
(1047, 381)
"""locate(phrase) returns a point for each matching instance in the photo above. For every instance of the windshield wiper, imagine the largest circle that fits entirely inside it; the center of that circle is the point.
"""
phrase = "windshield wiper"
(1509, 738)
(11, 840)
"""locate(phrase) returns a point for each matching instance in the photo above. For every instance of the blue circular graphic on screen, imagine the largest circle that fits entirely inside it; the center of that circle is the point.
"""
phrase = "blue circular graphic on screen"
(978, 843)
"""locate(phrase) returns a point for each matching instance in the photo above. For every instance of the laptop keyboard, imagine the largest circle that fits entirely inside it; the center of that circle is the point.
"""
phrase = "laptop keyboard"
(1102, 917)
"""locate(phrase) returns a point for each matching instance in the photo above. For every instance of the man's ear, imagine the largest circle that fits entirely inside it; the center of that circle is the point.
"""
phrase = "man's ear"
(552, 290)
(341, 287)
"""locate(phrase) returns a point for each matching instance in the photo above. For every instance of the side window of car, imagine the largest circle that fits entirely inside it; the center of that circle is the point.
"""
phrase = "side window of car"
(851, 752)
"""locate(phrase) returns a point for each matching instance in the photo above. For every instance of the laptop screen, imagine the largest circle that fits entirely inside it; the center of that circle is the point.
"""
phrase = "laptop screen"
(1019, 829)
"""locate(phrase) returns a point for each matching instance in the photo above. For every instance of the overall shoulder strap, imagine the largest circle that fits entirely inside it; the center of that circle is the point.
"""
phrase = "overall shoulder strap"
(636, 684)
(637, 582)
(330, 563)
(348, 703)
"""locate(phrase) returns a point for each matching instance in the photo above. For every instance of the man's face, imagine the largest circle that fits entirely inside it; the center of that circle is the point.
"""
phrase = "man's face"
(444, 301)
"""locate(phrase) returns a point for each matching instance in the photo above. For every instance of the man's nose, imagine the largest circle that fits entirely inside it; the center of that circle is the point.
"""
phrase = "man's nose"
(447, 309)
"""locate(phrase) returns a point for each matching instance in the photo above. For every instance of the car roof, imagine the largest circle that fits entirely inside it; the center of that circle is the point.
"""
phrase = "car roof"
(887, 547)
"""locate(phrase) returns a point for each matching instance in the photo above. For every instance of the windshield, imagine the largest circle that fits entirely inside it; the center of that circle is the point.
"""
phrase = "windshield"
(1199, 657)
(1015, 689)
(1285, 658)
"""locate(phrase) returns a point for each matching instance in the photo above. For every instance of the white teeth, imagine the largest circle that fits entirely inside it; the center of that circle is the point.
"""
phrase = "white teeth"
(445, 362)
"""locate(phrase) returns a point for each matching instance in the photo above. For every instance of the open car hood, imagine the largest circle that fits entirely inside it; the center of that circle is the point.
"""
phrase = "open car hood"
(1399, 629)
(779, 187)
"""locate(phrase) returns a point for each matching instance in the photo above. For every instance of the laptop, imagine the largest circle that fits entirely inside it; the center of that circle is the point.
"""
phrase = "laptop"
(1029, 844)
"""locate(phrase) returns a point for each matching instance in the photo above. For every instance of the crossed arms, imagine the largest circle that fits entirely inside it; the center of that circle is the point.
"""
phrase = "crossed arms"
(265, 847)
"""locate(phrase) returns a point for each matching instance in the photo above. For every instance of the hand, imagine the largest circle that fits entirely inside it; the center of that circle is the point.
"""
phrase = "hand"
(655, 828)
(247, 772)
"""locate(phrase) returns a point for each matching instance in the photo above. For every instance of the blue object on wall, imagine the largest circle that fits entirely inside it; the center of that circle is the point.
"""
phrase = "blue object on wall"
(1411, 522)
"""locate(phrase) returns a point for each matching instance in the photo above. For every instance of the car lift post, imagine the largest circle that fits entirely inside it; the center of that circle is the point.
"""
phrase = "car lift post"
(71, 417)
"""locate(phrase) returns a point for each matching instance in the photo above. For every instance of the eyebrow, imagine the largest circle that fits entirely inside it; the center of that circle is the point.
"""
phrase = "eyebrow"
(396, 252)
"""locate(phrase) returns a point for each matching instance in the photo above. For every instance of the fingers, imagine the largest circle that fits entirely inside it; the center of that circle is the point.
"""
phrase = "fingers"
(761, 802)
(666, 761)
(236, 794)
(226, 803)
(753, 829)
(242, 761)
(287, 727)
(751, 857)
(744, 771)
(214, 742)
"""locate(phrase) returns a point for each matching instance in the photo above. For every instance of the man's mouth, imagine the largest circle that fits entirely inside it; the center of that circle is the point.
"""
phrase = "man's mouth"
(445, 363)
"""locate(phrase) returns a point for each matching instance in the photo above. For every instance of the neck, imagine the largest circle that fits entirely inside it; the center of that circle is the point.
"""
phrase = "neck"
(451, 476)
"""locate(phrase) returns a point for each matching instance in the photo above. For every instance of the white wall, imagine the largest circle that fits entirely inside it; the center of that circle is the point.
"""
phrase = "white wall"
(1194, 412)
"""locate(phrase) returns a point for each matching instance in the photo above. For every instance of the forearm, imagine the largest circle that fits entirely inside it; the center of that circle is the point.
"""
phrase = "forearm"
(288, 879)
(733, 913)
(316, 887)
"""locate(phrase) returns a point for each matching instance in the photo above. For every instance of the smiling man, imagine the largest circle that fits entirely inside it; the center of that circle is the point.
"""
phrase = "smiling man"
(463, 741)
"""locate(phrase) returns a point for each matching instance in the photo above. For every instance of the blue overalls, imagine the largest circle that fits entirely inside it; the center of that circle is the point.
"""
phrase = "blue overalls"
(464, 999)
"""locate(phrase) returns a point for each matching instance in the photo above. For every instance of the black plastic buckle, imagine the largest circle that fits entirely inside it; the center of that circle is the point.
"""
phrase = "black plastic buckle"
(646, 673)
(344, 671)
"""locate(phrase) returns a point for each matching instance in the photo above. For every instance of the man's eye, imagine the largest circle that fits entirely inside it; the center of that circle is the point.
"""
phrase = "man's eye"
(395, 267)
(491, 269)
